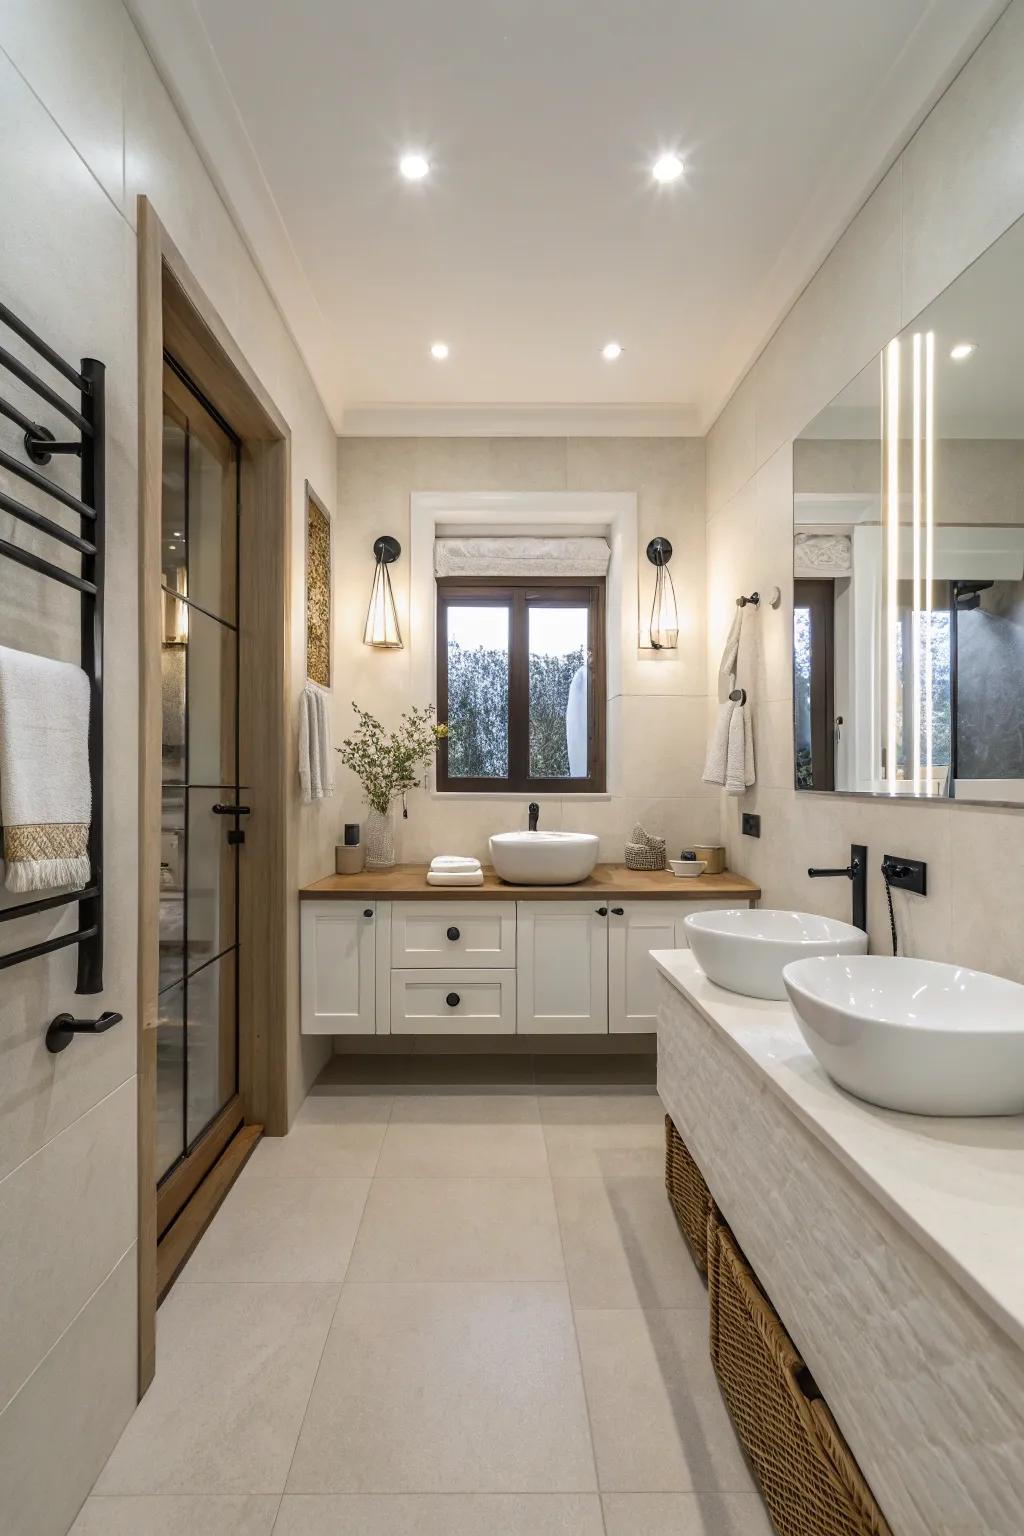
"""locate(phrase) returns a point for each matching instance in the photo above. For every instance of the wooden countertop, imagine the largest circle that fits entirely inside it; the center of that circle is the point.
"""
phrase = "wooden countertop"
(408, 882)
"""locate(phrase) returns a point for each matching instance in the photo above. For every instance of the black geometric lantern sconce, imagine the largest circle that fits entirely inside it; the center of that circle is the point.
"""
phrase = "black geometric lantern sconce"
(664, 613)
(381, 628)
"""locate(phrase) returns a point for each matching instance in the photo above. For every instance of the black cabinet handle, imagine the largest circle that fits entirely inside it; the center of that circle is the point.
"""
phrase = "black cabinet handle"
(602, 911)
(453, 999)
(618, 911)
(231, 810)
(367, 911)
(65, 1027)
(453, 934)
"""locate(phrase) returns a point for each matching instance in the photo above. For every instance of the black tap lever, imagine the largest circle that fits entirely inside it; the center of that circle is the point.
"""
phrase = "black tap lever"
(857, 873)
(534, 810)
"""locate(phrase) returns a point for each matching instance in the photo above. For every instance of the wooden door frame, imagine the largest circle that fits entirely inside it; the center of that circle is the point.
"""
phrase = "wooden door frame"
(174, 312)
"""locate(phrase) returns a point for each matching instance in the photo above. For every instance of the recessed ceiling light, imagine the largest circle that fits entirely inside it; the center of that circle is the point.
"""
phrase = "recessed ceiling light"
(963, 349)
(610, 351)
(414, 167)
(667, 168)
(439, 350)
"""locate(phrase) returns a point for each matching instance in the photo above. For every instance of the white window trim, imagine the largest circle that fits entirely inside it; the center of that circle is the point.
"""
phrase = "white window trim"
(612, 513)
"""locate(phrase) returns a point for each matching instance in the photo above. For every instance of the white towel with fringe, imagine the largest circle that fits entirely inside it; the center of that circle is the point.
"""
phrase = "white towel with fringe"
(45, 789)
(455, 877)
(316, 759)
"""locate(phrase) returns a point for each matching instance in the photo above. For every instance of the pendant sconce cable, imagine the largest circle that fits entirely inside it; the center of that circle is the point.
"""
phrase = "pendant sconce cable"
(664, 610)
(381, 629)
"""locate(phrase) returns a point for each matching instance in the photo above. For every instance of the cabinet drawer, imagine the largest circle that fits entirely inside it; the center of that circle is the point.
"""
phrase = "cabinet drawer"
(453, 1002)
(453, 933)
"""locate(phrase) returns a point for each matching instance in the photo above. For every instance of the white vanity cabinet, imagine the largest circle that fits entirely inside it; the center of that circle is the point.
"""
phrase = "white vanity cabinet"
(454, 965)
(338, 960)
(634, 929)
(562, 968)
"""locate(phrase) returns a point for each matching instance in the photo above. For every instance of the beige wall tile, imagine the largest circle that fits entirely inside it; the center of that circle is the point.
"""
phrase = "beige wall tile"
(55, 1435)
(732, 446)
(963, 172)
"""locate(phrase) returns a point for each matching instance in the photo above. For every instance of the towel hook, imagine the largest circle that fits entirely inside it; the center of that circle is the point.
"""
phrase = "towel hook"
(738, 696)
(754, 600)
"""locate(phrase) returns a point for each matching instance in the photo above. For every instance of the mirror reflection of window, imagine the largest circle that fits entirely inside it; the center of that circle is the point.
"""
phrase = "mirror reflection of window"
(909, 506)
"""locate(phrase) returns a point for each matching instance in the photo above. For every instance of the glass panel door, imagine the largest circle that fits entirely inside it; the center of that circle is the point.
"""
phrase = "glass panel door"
(197, 1033)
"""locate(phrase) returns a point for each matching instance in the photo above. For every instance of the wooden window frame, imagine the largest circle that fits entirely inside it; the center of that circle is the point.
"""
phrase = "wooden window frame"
(819, 597)
(519, 595)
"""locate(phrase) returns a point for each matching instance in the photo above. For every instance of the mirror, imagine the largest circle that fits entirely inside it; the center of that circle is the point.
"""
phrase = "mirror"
(908, 557)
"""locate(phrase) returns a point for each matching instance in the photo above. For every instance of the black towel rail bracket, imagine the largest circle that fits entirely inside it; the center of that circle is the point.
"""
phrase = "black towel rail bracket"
(86, 416)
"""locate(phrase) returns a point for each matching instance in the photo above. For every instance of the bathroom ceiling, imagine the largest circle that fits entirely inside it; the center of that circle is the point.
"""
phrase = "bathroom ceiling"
(540, 234)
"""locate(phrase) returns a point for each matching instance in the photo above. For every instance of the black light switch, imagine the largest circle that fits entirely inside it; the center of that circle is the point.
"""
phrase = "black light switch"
(750, 825)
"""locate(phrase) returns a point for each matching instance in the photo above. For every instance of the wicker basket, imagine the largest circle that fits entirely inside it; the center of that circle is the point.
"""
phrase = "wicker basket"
(688, 1194)
(810, 1481)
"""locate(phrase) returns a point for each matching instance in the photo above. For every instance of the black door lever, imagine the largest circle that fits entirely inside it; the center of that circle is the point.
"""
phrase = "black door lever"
(65, 1027)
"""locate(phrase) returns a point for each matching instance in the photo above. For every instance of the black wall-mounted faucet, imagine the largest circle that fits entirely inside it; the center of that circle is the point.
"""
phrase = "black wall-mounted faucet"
(857, 873)
(534, 810)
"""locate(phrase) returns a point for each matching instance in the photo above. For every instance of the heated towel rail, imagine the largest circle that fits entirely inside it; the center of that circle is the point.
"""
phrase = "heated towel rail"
(86, 418)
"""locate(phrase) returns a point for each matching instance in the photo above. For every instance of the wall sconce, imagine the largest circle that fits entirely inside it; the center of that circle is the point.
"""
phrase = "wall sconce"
(381, 627)
(664, 613)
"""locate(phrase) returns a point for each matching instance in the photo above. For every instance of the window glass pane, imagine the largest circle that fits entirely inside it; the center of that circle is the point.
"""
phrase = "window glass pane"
(172, 888)
(200, 484)
(212, 865)
(478, 646)
(170, 1079)
(558, 692)
(198, 687)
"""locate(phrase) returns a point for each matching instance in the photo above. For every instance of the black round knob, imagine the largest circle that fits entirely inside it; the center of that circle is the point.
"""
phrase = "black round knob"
(367, 911)
(602, 911)
(618, 911)
(453, 999)
(453, 934)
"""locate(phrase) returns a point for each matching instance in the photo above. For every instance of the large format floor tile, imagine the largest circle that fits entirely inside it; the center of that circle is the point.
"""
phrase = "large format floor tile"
(604, 1135)
(459, 1229)
(447, 1388)
(657, 1417)
(235, 1365)
(334, 1136)
(440, 1514)
(282, 1229)
(468, 1135)
(622, 1245)
(178, 1515)
(685, 1514)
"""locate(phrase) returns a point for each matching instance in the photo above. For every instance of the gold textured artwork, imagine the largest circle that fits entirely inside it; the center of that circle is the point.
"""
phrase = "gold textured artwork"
(318, 594)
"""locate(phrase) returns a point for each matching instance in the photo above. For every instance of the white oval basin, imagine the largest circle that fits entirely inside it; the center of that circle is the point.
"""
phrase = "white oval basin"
(745, 949)
(914, 1035)
(543, 858)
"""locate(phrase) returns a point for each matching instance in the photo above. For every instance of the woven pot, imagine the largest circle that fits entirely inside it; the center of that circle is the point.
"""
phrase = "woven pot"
(379, 829)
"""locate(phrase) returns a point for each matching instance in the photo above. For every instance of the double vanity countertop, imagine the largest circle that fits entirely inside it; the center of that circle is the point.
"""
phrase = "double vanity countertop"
(609, 882)
(956, 1184)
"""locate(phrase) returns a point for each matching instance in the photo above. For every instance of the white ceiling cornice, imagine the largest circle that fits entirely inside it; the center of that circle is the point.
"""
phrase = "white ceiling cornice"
(520, 421)
(176, 40)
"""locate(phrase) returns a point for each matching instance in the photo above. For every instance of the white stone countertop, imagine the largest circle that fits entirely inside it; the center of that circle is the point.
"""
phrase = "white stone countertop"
(956, 1184)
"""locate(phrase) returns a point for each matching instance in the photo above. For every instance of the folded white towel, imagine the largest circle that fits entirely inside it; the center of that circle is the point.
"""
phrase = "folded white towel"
(454, 863)
(739, 768)
(316, 760)
(455, 877)
(45, 790)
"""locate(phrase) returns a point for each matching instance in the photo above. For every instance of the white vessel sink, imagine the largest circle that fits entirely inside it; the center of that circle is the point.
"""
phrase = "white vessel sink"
(543, 858)
(914, 1035)
(745, 950)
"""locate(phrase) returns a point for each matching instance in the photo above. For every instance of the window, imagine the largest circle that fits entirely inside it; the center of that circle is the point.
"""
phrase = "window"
(521, 684)
(813, 683)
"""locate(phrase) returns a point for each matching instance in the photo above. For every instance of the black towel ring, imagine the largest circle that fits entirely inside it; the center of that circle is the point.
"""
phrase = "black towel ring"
(738, 696)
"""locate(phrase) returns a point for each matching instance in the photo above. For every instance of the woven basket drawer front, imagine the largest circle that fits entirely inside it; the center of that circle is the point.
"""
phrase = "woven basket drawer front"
(809, 1479)
(688, 1194)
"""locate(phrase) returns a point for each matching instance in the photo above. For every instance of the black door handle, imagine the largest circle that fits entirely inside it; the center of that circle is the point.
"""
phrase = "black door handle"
(453, 934)
(618, 911)
(231, 810)
(65, 1027)
(602, 911)
(367, 911)
(453, 999)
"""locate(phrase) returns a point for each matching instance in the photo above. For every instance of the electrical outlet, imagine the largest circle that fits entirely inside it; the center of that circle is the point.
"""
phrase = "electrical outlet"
(906, 874)
(750, 824)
